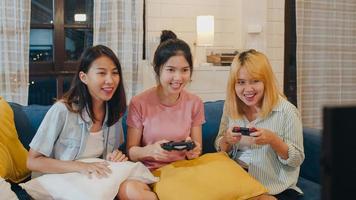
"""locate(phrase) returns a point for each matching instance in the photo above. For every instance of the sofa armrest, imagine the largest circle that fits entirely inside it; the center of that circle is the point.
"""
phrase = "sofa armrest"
(310, 168)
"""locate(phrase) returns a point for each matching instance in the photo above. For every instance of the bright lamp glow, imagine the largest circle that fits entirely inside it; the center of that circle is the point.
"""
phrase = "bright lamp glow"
(205, 30)
(80, 17)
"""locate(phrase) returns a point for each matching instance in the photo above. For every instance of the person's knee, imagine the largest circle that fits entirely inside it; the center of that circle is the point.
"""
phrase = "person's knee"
(125, 188)
(135, 190)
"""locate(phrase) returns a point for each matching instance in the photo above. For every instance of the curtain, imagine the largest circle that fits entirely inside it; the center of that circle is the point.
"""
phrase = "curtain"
(326, 56)
(118, 25)
(14, 50)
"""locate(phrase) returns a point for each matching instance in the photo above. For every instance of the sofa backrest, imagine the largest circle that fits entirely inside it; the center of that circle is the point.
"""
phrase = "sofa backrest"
(310, 168)
(213, 112)
(27, 120)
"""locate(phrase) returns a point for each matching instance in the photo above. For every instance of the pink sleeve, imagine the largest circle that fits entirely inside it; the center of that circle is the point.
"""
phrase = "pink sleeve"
(198, 115)
(134, 117)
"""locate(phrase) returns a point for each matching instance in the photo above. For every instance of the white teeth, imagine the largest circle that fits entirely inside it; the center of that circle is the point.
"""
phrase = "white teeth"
(107, 89)
(249, 95)
(175, 85)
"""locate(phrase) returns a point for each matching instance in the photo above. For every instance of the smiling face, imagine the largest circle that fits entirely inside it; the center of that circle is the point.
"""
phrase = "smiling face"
(174, 75)
(102, 79)
(249, 90)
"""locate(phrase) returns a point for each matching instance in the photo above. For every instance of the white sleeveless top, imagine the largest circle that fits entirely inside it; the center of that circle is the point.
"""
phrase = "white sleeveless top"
(95, 145)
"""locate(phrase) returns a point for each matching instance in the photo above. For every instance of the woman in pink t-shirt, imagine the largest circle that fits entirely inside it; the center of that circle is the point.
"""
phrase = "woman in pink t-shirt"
(164, 113)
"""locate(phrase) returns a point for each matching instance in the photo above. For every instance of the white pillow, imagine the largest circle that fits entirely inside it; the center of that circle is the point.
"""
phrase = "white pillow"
(78, 186)
(5, 190)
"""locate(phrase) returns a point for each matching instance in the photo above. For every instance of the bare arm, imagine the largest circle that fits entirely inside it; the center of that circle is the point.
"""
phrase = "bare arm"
(40, 163)
(196, 134)
(133, 148)
(138, 153)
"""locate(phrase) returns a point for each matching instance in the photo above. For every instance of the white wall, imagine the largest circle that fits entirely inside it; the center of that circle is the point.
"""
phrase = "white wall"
(275, 37)
(232, 18)
(180, 16)
(269, 14)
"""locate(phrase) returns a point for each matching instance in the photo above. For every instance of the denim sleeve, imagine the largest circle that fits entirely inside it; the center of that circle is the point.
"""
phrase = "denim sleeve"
(116, 137)
(49, 130)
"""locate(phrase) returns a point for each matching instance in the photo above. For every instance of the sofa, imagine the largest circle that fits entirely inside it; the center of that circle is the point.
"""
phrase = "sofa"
(28, 119)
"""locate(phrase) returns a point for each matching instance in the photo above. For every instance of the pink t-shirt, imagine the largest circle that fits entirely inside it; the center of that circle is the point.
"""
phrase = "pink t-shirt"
(160, 122)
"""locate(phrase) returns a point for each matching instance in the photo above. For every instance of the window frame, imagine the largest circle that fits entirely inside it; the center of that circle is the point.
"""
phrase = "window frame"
(58, 67)
(290, 52)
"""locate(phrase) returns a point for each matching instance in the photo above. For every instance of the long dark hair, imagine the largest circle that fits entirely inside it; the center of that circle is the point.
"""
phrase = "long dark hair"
(171, 46)
(78, 97)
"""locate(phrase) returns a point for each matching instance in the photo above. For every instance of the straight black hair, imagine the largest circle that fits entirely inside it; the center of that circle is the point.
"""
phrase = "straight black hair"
(171, 46)
(79, 95)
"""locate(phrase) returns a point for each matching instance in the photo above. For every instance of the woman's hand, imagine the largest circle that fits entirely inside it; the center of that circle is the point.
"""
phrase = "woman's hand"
(194, 153)
(116, 156)
(100, 169)
(264, 136)
(230, 137)
(156, 152)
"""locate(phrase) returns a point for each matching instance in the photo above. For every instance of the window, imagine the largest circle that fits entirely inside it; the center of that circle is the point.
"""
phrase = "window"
(60, 31)
(290, 63)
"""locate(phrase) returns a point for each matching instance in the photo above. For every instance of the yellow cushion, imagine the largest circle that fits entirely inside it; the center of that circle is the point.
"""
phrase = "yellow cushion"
(13, 154)
(212, 176)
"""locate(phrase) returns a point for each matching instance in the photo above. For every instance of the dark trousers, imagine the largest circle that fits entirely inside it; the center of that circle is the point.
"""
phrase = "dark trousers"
(288, 194)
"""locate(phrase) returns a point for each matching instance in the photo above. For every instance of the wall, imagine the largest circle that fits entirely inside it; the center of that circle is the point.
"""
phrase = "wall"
(269, 14)
(180, 16)
(275, 37)
(232, 19)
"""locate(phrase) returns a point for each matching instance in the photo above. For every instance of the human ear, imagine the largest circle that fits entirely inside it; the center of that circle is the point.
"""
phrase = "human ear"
(83, 77)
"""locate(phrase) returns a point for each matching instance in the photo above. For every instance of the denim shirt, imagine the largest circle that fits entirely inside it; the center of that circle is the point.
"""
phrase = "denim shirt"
(63, 134)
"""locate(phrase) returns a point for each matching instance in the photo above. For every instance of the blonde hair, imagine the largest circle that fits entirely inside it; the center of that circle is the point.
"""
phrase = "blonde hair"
(258, 66)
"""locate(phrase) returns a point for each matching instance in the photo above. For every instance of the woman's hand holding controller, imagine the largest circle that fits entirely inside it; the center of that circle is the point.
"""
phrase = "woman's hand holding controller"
(230, 137)
(156, 152)
(264, 136)
(194, 153)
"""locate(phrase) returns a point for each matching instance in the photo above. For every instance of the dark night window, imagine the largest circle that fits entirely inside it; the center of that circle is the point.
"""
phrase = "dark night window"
(60, 31)
(75, 41)
(41, 45)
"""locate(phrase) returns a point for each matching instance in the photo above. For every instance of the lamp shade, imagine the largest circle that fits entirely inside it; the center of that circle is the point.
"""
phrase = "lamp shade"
(205, 30)
(80, 17)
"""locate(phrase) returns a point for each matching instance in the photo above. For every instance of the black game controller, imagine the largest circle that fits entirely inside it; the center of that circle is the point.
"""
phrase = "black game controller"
(178, 146)
(243, 130)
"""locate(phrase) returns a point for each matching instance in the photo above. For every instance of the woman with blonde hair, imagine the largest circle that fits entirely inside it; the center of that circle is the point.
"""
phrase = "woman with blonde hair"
(271, 145)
